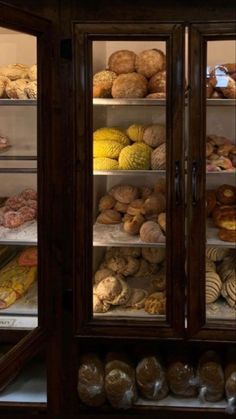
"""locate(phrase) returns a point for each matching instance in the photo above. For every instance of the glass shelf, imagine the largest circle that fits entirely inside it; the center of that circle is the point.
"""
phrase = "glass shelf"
(127, 172)
(155, 102)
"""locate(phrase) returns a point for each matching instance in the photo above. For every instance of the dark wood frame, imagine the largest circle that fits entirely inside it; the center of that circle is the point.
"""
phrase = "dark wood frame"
(198, 326)
(32, 342)
(84, 35)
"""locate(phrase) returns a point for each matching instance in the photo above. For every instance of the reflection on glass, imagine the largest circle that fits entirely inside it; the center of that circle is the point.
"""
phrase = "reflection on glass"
(221, 182)
(129, 186)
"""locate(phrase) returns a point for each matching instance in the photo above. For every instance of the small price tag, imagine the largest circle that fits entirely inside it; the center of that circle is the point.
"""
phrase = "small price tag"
(7, 323)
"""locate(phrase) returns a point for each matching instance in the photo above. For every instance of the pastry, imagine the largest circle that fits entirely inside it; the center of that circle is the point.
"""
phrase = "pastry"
(158, 158)
(227, 267)
(124, 193)
(157, 83)
(225, 217)
(230, 90)
(132, 266)
(7, 297)
(181, 379)
(160, 186)
(99, 306)
(16, 89)
(116, 263)
(154, 205)
(102, 83)
(143, 268)
(227, 235)
(17, 278)
(150, 232)
(154, 254)
(122, 61)
(225, 149)
(155, 303)
(120, 207)
(129, 251)
(124, 295)
(232, 156)
(226, 194)
(216, 254)
(162, 221)
(133, 225)
(137, 298)
(155, 135)
(213, 286)
(135, 207)
(14, 71)
(108, 288)
(209, 149)
(31, 90)
(101, 274)
(4, 81)
(32, 73)
(209, 266)
(145, 192)
(156, 95)
(230, 67)
(159, 280)
(109, 216)
(229, 291)
(230, 386)
(91, 380)
(151, 379)
(218, 140)
(131, 85)
(106, 202)
(4, 144)
(28, 257)
(150, 62)
(210, 202)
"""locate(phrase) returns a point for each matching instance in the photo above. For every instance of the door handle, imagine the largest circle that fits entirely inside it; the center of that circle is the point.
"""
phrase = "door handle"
(194, 183)
(177, 183)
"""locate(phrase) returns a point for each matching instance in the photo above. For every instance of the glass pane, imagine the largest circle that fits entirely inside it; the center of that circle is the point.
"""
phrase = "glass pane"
(221, 181)
(18, 180)
(129, 186)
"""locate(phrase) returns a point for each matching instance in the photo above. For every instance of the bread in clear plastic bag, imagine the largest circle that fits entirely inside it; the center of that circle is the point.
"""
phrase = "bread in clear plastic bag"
(151, 378)
(210, 377)
(230, 387)
(181, 378)
(91, 380)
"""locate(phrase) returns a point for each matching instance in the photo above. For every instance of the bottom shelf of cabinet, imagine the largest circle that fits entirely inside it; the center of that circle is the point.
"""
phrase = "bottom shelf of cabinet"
(171, 401)
(29, 388)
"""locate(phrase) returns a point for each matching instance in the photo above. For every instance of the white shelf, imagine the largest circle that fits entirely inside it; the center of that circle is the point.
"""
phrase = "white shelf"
(220, 310)
(128, 172)
(26, 234)
(127, 313)
(18, 102)
(222, 172)
(155, 102)
(29, 387)
(18, 322)
(113, 235)
(212, 237)
(191, 402)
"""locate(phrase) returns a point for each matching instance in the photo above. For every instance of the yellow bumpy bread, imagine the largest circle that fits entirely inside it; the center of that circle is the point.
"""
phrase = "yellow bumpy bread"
(135, 157)
(17, 278)
(104, 163)
(111, 134)
(107, 148)
(135, 132)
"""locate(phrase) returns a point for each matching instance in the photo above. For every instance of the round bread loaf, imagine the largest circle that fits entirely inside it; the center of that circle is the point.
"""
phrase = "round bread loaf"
(131, 85)
(32, 73)
(102, 83)
(150, 62)
(154, 254)
(158, 158)
(155, 135)
(16, 89)
(150, 232)
(122, 61)
(157, 83)
(3, 83)
(124, 193)
(151, 379)
(109, 216)
(91, 381)
(14, 71)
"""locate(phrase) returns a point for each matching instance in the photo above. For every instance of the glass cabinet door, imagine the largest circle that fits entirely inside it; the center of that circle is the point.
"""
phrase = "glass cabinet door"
(213, 181)
(24, 152)
(129, 177)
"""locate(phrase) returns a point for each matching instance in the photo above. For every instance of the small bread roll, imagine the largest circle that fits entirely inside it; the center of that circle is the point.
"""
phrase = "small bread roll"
(135, 207)
(102, 83)
(133, 225)
(31, 90)
(217, 254)
(16, 89)
(157, 83)
(162, 221)
(209, 149)
(159, 280)
(131, 85)
(149, 62)
(213, 286)
(109, 217)
(101, 274)
(122, 61)
(108, 289)
(226, 194)
(120, 207)
(106, 202)
(154, 205)
(14, 71)
(145, 192)
(124, 193)
(155, 135)
(91, 380)
(158, 158)
(156, 303)
(230, 90)
(150, 232)
(99, 306)
(160, 186)
(154, 254)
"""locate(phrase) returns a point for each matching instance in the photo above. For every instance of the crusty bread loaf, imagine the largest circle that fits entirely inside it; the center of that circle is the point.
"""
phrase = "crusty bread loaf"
(131, 85)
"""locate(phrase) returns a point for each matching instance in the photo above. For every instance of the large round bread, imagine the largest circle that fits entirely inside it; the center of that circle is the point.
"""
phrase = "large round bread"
(131, 85)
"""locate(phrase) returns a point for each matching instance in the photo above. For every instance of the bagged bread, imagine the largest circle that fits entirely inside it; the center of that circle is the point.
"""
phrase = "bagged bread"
(91, 380)
(181, 378)
(210, 377)
(120, 386)
(230, 386)
(151, 379)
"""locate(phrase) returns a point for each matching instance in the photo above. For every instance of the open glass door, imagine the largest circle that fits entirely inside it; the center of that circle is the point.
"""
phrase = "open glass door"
(25, 122)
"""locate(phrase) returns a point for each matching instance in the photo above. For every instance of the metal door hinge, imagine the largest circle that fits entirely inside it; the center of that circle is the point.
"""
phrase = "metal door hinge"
(66, 49)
